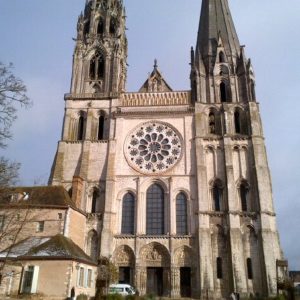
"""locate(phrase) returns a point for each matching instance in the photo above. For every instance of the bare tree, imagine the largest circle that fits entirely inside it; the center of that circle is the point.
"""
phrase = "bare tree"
(12, 93)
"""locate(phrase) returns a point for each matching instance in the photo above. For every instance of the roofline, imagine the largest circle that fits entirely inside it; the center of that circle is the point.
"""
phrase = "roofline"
(46, 206)
(24, 258)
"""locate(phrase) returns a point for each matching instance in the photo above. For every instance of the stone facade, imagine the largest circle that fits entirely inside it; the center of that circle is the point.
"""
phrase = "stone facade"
(176, 184)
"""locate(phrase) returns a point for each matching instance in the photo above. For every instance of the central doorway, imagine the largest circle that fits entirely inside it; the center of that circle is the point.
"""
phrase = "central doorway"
(185, 282)
(155, 281)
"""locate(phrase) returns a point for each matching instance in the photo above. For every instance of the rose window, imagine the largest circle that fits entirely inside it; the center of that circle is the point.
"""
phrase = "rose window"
(153, 147)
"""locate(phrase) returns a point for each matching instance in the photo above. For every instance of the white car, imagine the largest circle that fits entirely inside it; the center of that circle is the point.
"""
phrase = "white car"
(122, 289)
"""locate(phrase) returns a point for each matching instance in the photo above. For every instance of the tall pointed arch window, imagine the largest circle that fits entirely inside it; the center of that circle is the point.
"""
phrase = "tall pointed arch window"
(95, 198)
(101, 126)
(155, 211)
(219, 268)
(252, 88)
(217, 197)
(223, 92)
(249, 268)
(80, 133)
(181, 214)
(128, 210)
(237, 122)
(221, 57)
(97, 67)
(244, 197)
(100, 27)
(212, 123)
(113, 26)
(87, 28)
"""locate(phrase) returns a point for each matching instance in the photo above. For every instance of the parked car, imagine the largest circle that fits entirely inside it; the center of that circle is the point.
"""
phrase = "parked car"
(122, 289)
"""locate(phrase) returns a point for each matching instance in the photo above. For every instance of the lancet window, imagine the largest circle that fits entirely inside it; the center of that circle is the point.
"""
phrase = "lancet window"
(181, 214)
(128, 210)
(155, 210)
(97, 67)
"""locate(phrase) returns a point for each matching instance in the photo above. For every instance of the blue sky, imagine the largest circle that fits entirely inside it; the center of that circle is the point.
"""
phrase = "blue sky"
(37, 37)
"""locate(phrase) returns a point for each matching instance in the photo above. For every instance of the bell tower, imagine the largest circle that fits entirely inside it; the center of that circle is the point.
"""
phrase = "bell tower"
(99, 63)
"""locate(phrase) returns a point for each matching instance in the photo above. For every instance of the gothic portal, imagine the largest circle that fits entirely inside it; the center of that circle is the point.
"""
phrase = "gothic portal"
(175, 184)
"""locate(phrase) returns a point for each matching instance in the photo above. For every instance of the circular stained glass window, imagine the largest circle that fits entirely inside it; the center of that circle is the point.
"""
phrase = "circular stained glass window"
(153, 147)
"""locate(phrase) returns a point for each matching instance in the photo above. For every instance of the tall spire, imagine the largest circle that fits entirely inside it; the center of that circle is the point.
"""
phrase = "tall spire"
(216, 23)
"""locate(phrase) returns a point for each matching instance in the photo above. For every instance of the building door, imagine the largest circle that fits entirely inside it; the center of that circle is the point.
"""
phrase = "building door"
(155, 281)
(185, 282)
(124, 275)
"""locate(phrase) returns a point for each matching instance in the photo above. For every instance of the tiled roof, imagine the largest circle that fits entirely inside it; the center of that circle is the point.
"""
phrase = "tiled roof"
(36, 196)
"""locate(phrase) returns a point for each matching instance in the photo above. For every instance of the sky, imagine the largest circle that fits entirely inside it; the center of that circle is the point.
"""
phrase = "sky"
(36, 36)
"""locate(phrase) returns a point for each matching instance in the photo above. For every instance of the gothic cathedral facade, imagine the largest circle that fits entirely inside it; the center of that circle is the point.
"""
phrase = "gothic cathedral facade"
(175, 184)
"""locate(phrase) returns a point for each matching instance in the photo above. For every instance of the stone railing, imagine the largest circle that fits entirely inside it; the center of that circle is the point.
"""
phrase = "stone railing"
(90, 96)
(155, 99)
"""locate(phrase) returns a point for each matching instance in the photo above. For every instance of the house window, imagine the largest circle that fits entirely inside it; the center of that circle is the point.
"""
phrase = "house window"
(128, 209)
(219, 268)
(60, 215)
(249, 268)
(181, 214)
(28, 278)
(155, 210)
(89, 278)
(81, 277)
(40, 226)
(2, 220)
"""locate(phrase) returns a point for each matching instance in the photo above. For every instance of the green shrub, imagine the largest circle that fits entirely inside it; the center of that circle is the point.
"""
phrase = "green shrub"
(82, 297)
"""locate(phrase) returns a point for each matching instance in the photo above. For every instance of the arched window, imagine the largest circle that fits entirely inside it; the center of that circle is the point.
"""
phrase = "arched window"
(223, 92)
(155, 210)
(101, 127)
(181, 214)
(97, 67)
(253, 96)
(249, 268)
(113, 26)
(80, 134)
(244, 196)
(217, 198)
(100, 27)
(94, 201)
(128, 209)
(86, 28)
(221, 57)
(212, 123)
(237, 122)
(219, 268)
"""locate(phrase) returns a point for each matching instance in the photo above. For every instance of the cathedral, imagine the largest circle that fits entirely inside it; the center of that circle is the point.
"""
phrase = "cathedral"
(175, 185)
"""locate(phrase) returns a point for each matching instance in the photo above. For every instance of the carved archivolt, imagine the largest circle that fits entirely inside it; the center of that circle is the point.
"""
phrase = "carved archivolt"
(183, 257)
(155, 254)
(124, 256)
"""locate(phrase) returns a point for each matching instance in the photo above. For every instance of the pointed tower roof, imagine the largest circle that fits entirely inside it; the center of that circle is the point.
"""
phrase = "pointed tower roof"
(216, 23)
(155, 82)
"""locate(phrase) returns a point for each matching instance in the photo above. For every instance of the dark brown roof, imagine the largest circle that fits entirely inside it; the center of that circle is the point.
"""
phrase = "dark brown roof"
(49, 196)
(58, 247)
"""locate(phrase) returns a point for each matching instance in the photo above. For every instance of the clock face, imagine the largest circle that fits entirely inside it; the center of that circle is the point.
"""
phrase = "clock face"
(153, 147)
